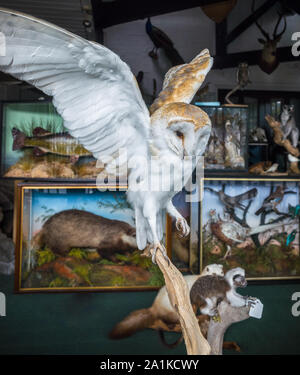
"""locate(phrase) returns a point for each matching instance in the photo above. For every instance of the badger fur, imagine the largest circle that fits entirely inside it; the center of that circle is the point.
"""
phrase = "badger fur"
(76, 228)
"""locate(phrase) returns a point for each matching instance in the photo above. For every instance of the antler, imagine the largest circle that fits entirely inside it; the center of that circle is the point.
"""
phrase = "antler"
(278, 36)
(265, 34)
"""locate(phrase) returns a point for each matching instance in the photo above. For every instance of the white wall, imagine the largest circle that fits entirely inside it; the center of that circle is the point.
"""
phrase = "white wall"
(191, 31)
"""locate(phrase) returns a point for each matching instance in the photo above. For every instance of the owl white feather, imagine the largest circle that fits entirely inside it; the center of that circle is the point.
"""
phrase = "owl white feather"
(99, 100)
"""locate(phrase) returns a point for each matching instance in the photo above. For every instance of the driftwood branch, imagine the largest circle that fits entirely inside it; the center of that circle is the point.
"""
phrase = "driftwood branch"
(278, 136)
(213, 331)
(216, 330)
(279, 140)
(179, 296)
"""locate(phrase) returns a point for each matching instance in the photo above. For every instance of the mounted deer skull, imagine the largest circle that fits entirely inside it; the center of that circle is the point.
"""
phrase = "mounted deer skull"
(268, 60)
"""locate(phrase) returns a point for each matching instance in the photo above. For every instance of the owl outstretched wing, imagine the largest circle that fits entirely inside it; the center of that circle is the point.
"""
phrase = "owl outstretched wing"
(183, 81)
(93, 90)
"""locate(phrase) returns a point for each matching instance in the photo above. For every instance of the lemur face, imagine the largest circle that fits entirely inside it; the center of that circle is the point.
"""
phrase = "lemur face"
(239, 281)
(214, 270)
(288, 109)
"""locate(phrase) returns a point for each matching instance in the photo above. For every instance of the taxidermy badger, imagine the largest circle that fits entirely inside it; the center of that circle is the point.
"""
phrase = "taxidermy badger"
(208, 291)
(161, 308)
(76, 228)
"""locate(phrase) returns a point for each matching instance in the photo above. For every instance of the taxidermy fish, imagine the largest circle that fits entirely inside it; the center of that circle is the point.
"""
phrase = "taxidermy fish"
(44, 142)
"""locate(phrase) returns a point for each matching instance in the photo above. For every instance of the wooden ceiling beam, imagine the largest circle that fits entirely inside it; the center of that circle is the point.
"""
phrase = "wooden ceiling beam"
(120, 11)
(221, 35)
(244, 25)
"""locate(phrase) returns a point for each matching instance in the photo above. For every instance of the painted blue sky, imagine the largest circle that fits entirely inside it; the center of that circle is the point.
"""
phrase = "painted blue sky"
(211, 200)
(83, 199)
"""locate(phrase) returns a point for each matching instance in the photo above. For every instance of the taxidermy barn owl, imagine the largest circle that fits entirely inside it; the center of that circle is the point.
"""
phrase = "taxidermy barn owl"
(99, 100)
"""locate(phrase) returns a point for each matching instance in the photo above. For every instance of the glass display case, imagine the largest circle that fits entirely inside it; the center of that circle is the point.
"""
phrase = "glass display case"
(253, 224)
(228, 143)
(72, 237)
(36, 145)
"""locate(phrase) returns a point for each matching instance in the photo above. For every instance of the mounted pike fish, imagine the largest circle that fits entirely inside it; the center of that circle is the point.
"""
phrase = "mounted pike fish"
(43, 142)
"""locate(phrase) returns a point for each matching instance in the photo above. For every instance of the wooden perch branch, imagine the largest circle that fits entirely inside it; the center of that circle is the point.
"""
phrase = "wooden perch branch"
(179, 296)
(216, 330)
(278, 139)
(278, 136)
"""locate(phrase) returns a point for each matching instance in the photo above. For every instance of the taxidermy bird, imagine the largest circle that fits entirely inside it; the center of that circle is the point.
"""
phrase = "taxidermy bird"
(242, 79)
(235, 201)
(291, 237)
(230, 232)
(139, 77)
(273, 200)
(161, 40)
(294, 211)
(232, 148)
(98, 98)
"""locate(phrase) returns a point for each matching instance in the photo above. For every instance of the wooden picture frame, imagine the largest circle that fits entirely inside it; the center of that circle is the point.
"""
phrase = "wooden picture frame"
(227, 147)
(41, 267)
(184, 250)
(266, 256)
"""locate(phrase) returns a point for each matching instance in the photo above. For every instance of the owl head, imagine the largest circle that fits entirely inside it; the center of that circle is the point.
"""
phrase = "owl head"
(181, 130)
(178, 128)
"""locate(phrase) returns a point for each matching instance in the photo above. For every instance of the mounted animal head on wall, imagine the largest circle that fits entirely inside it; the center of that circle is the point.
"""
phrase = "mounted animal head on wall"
(268, 61)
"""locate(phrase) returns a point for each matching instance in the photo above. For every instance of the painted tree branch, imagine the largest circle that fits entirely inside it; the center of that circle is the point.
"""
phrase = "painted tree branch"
(216, 330)
(179, 296)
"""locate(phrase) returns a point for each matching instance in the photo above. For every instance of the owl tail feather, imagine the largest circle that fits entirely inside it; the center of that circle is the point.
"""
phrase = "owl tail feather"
(141, 229)
(134, 322)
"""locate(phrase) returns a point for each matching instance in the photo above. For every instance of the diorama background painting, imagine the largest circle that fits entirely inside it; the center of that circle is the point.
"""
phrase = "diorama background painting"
(91, 200)
(123, 269)
(273, 259)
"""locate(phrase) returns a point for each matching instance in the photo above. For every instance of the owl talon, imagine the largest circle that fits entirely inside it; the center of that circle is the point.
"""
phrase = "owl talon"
(154, 256)
(163, 251)
(183, 227)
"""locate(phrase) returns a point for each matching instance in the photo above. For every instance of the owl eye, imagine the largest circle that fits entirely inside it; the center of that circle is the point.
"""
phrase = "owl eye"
(179, 134)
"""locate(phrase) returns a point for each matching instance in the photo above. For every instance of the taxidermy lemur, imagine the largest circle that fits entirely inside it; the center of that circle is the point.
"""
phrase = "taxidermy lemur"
(288, 125)
(208, 291)
(161, 308)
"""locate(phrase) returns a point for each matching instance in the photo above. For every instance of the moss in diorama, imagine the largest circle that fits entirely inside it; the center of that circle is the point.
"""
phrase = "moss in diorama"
(75, 270)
